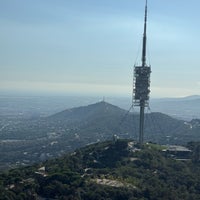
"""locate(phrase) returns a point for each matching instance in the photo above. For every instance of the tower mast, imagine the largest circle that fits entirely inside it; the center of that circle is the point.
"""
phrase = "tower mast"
(142, 82)
(144, 38)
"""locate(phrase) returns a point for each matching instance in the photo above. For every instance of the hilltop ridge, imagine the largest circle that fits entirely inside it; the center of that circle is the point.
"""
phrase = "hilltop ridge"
(85, 112)
(109, 170)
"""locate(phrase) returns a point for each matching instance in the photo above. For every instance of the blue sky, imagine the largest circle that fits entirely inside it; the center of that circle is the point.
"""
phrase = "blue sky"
(89, 47)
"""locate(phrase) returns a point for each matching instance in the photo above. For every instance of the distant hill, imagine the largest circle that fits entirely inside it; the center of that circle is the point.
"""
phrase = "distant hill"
(114, 170)
(23, 142)
(85, 113)
(32, 107)
(186, 108)
(104, 119)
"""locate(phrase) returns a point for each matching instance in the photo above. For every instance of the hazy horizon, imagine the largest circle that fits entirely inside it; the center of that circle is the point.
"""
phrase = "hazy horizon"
(79, 95)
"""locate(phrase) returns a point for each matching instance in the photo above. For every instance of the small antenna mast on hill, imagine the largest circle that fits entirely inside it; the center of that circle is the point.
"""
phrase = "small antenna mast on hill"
(141, 86)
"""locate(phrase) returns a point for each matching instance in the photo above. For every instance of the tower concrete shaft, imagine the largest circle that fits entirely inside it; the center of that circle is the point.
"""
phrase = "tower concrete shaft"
(141, 128)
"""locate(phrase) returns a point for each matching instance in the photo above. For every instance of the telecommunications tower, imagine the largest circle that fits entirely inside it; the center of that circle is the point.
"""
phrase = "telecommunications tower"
(141, 85)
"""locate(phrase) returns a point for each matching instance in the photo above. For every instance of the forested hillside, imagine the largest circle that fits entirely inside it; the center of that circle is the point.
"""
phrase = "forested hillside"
(110, 170)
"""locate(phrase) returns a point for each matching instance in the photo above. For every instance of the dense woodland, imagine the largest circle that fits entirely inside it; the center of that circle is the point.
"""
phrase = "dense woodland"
(110, 170)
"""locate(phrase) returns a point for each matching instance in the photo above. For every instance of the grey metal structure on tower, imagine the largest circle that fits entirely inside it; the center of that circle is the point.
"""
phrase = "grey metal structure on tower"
(141, 85)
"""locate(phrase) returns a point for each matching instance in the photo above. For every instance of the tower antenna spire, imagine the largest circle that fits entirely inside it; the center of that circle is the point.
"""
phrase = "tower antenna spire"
(141, 87)
(144, 38)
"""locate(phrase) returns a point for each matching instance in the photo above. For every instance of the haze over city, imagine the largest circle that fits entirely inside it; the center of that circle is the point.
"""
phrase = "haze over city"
(90, 47)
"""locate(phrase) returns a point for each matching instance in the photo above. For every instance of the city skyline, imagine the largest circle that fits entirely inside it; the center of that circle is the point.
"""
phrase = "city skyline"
(90, 47)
